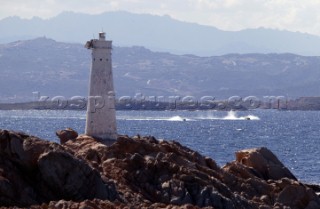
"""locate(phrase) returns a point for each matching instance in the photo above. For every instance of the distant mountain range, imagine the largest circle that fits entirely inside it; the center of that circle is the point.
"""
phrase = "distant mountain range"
(158, 33)
(56, 68)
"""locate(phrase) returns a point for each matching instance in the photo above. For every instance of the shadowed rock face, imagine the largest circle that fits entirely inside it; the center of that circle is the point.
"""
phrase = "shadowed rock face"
(265, 163)
(141, 172)
(66, 134)
(35, 171)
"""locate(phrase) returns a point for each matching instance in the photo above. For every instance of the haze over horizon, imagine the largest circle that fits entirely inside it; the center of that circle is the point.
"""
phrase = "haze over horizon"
(159, 32)
(229, 15)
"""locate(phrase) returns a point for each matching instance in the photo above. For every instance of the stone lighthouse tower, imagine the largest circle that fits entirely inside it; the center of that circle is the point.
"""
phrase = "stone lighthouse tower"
(101, 115)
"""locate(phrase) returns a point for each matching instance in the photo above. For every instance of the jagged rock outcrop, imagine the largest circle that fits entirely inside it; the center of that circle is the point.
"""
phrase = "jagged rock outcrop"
(34, 171)
(66, 134)
(265, 163)
(141, 172)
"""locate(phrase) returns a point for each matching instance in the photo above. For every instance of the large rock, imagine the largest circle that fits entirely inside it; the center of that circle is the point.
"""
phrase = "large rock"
(33, 171)
(66, 134)
(296, 195)
(264, 162)
(141, 172)
(70, 178)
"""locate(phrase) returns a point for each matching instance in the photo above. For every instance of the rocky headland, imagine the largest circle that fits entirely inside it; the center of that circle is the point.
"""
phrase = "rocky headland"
(141, 172)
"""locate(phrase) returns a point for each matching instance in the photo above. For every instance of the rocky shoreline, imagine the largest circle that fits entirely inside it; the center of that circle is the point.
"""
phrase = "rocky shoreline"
(141, 172)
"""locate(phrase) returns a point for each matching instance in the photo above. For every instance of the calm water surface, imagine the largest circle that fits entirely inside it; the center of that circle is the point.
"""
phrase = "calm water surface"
(292, 135)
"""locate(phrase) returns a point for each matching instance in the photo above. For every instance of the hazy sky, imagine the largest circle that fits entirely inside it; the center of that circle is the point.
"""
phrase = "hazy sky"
(293, 15)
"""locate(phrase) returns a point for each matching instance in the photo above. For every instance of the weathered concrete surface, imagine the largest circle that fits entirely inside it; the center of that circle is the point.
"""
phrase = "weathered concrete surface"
(141, 172)
(101, 115)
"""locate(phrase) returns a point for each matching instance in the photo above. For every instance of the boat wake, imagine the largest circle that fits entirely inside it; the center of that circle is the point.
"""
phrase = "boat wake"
(178, 118)
(174, 118)
(232, 115)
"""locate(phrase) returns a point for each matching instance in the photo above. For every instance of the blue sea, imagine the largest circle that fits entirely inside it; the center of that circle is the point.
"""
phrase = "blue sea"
(292, 135)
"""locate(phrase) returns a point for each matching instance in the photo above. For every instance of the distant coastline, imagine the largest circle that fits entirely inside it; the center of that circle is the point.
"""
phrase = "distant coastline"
(302, 103)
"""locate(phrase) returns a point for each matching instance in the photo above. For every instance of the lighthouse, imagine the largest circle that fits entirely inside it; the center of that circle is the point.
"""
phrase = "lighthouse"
(101, 114)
